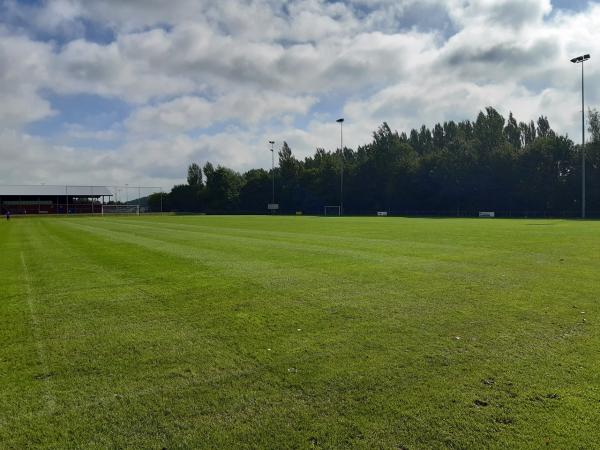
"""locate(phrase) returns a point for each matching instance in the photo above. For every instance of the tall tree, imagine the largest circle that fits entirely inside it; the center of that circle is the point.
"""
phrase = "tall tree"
(425, 140)
(464, 167)
(194, 175)
(223, 189)
(255, 191)
(594, 125)
(209, 171)
(512, 132)
(290, 170)
(543, 127)
(438, 136)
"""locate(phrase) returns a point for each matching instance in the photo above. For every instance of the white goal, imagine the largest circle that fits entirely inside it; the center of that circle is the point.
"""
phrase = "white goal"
(334, 210)
(121, 209)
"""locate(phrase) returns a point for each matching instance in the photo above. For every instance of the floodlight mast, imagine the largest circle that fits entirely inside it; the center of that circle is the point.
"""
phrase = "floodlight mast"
(341, 122)
(272, 171)
(580, 60)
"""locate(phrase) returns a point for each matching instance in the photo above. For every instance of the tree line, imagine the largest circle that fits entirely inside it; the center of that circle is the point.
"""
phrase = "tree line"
(455, 168)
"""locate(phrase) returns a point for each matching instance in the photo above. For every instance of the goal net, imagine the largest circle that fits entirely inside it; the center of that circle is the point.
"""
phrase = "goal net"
(121, 209)
(334, 210)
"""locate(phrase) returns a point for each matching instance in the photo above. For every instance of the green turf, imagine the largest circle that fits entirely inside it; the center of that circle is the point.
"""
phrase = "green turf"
(299, 332)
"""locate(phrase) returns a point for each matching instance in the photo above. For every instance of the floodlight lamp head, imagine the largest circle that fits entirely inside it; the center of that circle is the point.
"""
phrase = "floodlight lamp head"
(581, 58)
(340, 120)
(271, 142)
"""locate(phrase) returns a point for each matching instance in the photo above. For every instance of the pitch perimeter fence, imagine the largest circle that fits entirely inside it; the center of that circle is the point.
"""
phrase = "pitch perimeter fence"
(516, 214)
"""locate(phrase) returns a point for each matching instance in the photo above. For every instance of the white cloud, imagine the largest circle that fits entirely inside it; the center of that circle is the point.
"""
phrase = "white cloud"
(492, 13)
(193, 58)
(263, 64)
(114, 70)
(23, 69)
(191, 113)
(74, 131)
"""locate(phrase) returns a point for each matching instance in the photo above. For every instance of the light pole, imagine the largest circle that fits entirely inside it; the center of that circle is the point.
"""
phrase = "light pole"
(272, 171)
(341, 122)
(580, 60)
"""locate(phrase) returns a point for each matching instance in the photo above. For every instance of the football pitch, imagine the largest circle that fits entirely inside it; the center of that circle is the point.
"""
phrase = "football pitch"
(299, 332)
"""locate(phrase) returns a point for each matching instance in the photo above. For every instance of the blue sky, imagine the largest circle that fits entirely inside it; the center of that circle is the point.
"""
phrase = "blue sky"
(131, 91)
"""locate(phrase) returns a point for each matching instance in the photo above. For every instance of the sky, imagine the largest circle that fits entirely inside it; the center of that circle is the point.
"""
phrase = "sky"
(111, 92)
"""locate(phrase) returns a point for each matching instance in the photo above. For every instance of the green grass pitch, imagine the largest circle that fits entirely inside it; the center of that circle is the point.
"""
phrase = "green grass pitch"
(299, 332)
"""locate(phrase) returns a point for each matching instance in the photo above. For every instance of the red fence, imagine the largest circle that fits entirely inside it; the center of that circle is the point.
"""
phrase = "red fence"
(86, 208)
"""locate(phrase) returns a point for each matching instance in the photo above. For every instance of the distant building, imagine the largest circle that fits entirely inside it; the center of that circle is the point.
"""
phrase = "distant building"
(53, 199)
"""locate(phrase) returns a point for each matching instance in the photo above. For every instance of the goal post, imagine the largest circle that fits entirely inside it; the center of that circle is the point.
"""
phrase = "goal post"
(132, 210)
(333, 210)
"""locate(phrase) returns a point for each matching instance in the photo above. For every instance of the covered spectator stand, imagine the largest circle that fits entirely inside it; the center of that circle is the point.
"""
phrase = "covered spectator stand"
(45, 199)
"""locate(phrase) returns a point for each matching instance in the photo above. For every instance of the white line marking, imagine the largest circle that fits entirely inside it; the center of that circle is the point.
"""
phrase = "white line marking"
(35, 325)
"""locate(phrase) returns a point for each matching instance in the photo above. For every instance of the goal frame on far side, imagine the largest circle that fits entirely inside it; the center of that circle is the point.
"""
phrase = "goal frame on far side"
(132, 210)
(334, 207)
